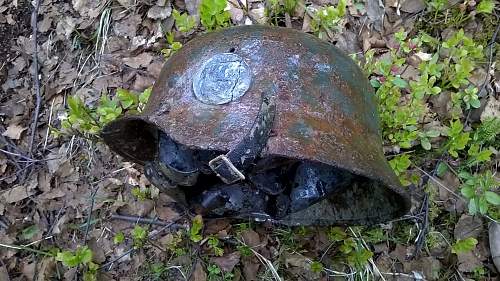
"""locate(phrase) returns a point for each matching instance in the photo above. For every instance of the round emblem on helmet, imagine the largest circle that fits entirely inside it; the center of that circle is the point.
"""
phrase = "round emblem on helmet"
(223, 78)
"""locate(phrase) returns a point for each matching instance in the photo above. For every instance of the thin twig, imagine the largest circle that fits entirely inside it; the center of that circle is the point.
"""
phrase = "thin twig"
(490, 56)
(89, 216)
(36, 81)
(135, 219)
(22, 248)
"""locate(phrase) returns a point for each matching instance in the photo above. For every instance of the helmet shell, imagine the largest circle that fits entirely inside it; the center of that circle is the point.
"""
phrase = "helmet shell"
(325, 107)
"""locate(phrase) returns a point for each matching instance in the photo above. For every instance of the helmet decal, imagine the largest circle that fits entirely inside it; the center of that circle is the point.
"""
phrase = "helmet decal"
(223, 78)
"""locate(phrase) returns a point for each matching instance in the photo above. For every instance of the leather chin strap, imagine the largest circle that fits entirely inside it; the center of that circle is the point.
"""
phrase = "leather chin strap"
(230, 167)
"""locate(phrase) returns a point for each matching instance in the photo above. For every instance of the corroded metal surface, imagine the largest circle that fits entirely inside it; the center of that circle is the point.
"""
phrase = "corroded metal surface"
(326, 110)
(223, 78)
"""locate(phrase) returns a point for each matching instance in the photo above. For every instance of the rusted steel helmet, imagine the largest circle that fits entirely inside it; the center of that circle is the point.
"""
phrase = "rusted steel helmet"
(251, 98)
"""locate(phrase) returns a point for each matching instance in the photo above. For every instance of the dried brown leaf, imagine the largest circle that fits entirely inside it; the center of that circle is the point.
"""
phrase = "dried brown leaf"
(227, 262)
(198, 273)
(14, 131)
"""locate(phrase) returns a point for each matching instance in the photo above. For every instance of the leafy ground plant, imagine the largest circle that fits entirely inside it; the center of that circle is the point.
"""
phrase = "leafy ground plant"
(82, 256)
(85, 120)
(327, 19)
(213, 14)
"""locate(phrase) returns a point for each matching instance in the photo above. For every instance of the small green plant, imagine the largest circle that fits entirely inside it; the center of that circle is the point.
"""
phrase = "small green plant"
(213, 243)
(216, 274)
(277, 9)
(141, 193)
(82, 256)
(213, 14)
(336, 234)
(479, 273)
(464, 245)
(327, 19)
(156, 271)
(88, 121)
(195, 230)
(29, 232)
(400, 165)
(374, 235)
(457, 139)
(485, 7)
(481, 190)
(119, 238)
(244, 250)
(173, 46)
(487, 132)
(139, 236)
(425, 138)
(316, 266)
(184, 22)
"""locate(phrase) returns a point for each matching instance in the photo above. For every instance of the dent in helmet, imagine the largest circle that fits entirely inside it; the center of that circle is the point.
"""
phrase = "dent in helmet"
(223, 78)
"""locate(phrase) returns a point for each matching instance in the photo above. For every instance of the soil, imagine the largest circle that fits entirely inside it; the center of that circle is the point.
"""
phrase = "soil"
(21, 15)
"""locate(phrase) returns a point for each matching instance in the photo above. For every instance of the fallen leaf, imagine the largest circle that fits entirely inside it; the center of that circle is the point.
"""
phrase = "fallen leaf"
(19, 192)
(429, 266)
(227, 262)
(375, 13)
(468, 261)
(14, 131)
(4, 275)
(236, 11)
(159, 13)
(468, 226)
(98, 254)
(127, 27)
(412, 6)
(59, 224)
(250, 268)
(296, 260)
(424, 56)
(198, 273)
(144, 59)
(250, 238)
(491, 109)
(28, 270)
(167, 213)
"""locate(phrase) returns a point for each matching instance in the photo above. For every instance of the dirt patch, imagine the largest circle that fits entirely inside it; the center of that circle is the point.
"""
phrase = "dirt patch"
(20, 16)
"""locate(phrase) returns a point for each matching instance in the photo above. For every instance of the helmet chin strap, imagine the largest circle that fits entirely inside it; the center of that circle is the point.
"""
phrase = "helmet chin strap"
(229, 167)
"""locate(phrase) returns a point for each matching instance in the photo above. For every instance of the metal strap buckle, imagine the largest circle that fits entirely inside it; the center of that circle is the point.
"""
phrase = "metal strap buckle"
(222, 162)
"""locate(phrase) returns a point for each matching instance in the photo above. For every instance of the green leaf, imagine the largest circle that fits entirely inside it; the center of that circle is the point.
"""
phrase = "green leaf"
(468, 191)
(336, 234)
(485, 7)
(473, 206)
(316, 267)
(441, 169)
(139, 235)
(144, 96)
(425, 143)
(195, 230)
(492, 197)
(81, 256)
(399, 82)
(465, 245)
(119, 238)
(375, 83)
(483, 205)
(127, 98)
(29, 232)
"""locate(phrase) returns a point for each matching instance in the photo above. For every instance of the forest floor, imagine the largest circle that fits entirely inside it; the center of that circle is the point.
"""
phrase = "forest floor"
(434, 67)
